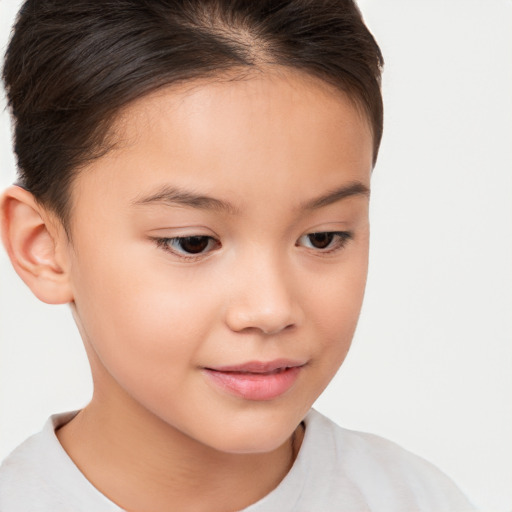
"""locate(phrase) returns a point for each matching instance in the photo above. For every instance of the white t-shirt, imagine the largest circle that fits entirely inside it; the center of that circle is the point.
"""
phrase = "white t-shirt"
(336, 470)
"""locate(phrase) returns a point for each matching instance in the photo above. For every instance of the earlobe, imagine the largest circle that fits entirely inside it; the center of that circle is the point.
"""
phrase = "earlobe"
(35, 247)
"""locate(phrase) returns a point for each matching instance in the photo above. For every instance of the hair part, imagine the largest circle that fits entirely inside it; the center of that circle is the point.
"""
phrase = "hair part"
(72, 65)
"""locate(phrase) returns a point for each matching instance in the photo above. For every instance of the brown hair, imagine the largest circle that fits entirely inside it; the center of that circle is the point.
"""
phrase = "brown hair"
(71, 65)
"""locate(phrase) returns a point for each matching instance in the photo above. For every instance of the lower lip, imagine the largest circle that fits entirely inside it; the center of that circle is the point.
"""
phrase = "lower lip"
(255, 386)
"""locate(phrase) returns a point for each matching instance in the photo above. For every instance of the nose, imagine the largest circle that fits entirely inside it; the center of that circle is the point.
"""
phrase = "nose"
(263, 298)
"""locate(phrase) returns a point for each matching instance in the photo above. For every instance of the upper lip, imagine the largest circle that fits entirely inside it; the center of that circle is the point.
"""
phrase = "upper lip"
(258, 366)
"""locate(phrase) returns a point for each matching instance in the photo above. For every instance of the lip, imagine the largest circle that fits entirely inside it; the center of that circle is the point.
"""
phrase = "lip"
(256, 380)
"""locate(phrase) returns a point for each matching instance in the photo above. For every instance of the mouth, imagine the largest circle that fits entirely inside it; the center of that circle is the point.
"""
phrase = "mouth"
(256, 380)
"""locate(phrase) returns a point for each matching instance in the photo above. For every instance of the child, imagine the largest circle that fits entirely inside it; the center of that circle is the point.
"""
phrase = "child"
(194, 182)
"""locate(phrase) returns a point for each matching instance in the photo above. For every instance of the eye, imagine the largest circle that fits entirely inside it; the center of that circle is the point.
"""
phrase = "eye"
(325, 241)
(188, 245)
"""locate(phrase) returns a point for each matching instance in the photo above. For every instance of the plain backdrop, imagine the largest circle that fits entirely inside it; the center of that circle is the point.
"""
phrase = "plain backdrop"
(430, 367)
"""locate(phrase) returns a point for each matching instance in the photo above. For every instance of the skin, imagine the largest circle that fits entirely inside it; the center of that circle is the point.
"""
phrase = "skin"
(158, 431)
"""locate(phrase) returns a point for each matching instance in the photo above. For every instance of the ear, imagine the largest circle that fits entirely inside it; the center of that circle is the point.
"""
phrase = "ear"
(37, 245)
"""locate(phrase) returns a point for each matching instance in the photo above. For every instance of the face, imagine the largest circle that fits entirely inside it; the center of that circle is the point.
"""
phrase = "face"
(219, 255)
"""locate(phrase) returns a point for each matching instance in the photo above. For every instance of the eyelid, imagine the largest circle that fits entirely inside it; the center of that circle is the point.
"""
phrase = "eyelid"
(343, 238)
(182, 231)
(164, 244)
(339, 241)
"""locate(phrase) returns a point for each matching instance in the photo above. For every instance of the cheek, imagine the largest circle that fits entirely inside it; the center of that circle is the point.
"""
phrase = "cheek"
(141, 319)
(336, 303)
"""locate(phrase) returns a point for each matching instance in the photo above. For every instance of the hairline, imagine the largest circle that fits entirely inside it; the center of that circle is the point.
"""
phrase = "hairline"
(109, 131)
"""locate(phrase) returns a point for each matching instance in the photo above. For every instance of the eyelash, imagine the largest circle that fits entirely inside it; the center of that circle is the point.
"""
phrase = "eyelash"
(338, 241)
(165, 244)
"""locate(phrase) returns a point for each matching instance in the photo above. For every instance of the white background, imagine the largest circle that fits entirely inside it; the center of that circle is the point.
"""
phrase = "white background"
(431, 363)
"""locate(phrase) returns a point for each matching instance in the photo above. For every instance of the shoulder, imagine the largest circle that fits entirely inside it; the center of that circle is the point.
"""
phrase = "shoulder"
(379, 469)
(39, 476)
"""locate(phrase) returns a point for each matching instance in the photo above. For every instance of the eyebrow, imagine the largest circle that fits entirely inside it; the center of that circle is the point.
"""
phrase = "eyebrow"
(172, 196)
(355, 188)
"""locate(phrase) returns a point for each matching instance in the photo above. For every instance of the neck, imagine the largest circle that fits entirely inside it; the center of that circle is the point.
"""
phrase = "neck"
(141, 463)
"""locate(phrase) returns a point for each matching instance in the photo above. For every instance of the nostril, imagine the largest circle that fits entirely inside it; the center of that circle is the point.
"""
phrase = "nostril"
(254, 322)
(278, 329)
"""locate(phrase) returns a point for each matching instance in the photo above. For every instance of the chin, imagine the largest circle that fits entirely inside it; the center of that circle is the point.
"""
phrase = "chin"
(254, 433)
(252, 444)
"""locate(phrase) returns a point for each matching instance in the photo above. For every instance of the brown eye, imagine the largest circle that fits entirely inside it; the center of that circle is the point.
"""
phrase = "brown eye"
(188, 246)
(321, 240)
(193, 244)
(325, 241)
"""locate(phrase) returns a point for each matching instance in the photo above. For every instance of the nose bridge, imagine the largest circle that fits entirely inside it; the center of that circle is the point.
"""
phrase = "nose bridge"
(262, 295)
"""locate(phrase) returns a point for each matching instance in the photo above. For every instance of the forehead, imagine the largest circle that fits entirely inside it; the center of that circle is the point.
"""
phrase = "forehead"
(249, 101)
(240, 136)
